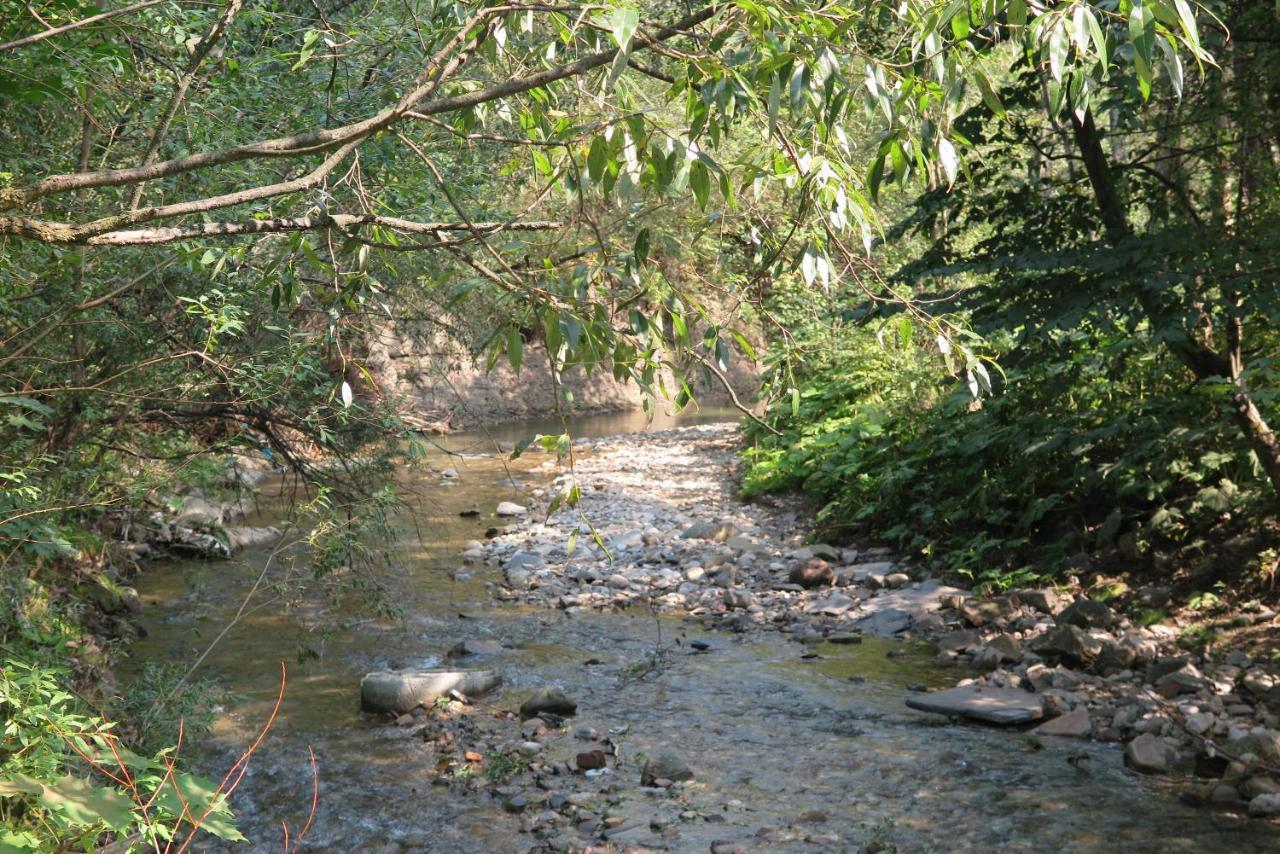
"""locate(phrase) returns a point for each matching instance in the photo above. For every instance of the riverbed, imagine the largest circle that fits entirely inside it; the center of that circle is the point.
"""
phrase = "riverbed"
(793, 747)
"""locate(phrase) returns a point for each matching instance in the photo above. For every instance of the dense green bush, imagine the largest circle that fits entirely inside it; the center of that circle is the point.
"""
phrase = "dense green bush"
(1090, 443)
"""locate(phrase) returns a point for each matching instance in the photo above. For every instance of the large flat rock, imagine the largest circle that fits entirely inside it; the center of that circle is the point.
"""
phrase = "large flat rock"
(1002, 706)
(398, 691)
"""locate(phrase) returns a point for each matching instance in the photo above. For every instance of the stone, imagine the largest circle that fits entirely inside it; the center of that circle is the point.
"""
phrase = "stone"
(814, 572)
(666, 765)
(524, 560)
(896, 580)
(1003, 706)
(980, 612)
(1264, 806)
(1199, 723)
(1151, 754)
(590, 760)
(510, 508)
(250, 538)
(1259, 784)
(548, 701)
(738, 599)
(1257, 748)
(1067, 644)
(1007, 646)
(1087, 614)
(889, 621)
(1224, 794)
(824, 551)
(1186, 680)
(197, 511)
(708, 530)
(399, 691)
(1046, 601)
(1074, 724)
(467, 648)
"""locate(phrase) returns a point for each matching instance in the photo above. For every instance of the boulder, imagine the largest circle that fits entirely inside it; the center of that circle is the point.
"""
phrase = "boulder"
(814, 572)
(1087, 614)
(197, 511)
(1046, 601)
(666, 765)
(187, 541)
(1067, 644)
(510, 508)
(1264, 806)
(980, 612)
(1002, 706)
(250, 538)
(399, 691)
(1074, 724)
(1152, 754)
(548, 701)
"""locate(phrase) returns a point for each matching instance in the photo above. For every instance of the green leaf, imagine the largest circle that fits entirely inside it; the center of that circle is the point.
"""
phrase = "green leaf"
(597, 157)
(622, 25)
(82, 804)
(700, 183)
(641, 249)
(1142, 27)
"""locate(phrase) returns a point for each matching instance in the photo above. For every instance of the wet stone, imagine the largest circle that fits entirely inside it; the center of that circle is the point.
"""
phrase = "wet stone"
(1001, 706)
(548, 701)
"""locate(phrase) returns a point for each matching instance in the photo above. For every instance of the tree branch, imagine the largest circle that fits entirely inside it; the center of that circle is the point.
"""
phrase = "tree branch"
(75, 25)
(54, 233)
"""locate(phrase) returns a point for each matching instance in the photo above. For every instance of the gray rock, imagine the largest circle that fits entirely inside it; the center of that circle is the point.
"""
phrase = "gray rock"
(1068, 644)
(1259, 784)
(1074, 724)
(1087, 614)
(524, 560)
(666, 765)
(1046, 601)
(510, 508)
(1003, 706)
(1152, 754)
(1186, 680)
(249, 538)
(548, 701)
(980, 612)
(1264, 806)
(708, 530)
(399, 691)
(196, 511)
(896, 580)
(885, 622)
(738, 598)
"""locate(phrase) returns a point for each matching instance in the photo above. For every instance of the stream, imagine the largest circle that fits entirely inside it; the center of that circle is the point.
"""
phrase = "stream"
(790, 754)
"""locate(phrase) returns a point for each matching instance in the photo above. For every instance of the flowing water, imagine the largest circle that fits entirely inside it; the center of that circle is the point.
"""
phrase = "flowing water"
(823, 746)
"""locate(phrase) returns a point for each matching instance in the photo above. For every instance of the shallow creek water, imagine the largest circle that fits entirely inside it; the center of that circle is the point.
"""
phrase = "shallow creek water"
(823, 745)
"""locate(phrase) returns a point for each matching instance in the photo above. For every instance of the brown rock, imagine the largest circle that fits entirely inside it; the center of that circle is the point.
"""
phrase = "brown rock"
(1076, 724)
(814, 572)
(590, 760)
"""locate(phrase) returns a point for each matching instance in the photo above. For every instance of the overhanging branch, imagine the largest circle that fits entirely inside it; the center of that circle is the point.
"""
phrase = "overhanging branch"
(60, 233)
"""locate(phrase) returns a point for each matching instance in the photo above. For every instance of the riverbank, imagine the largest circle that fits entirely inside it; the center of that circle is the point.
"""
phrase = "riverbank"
(657, 527)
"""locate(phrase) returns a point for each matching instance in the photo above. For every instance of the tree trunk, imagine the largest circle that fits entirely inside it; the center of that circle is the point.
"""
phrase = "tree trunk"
(1200, 359)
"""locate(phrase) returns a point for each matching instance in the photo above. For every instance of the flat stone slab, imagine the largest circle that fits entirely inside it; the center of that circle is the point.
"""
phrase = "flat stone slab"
(399, 691)
(1002, 706)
